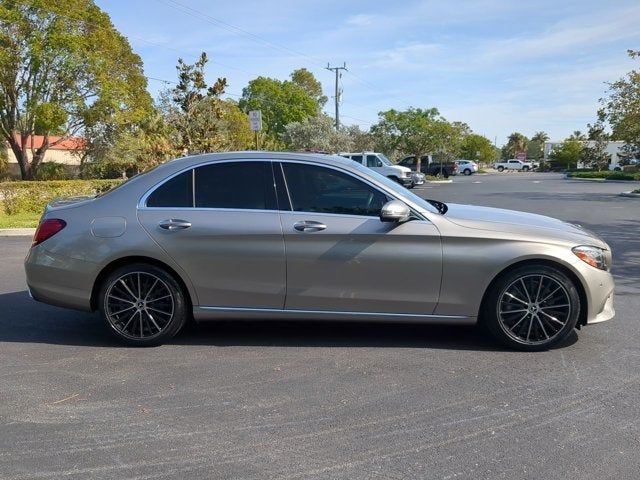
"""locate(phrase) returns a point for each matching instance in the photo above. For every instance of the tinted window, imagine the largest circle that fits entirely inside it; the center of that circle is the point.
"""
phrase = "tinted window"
(373, 161)
(408, 162)
(177, 192)
(324, 190)
(243, 185)
(356, 158)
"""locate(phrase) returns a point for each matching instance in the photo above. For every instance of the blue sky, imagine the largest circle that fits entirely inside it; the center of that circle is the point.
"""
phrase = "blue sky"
(500, 66)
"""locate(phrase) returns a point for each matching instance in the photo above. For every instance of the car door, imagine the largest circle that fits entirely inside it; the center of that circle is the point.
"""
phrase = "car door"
(341, 257)
(220, 223)
(375, 164)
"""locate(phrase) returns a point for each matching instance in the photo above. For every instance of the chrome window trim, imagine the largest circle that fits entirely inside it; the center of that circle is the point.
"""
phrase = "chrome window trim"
(143, 200)
(142, 203)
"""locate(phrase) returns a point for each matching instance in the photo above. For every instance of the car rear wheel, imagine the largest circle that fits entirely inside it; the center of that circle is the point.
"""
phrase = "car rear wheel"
(467, 171)
(525, 169)
(143, 305)
(532, 308)
(501, 169)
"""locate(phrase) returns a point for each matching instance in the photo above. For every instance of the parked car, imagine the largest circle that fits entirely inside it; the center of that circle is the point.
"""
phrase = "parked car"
(311, 237)
(513, 164)
(378, 162)
(466, 167)
(434, 169)
(417, 178)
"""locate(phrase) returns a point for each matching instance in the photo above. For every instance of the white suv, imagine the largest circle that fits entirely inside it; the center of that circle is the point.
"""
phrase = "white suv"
(381, 164)
(466, 167)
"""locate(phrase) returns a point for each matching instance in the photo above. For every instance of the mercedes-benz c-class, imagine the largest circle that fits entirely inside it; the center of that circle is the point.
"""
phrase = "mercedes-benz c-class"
(263, 235)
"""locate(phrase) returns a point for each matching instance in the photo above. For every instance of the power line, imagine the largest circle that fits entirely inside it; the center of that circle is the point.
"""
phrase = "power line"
(234, 28)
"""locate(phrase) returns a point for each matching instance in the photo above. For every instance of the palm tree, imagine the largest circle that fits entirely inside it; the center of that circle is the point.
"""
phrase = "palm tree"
(540, 138)
(577, 135)
(516, 143)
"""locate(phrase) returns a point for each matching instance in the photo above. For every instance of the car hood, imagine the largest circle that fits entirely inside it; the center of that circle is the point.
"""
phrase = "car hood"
(511, 221)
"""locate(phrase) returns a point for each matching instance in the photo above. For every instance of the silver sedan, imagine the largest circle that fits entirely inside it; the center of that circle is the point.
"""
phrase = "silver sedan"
(259, 235)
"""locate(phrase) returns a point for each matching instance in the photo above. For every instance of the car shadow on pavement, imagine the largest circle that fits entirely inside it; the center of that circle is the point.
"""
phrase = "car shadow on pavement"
(24, 321)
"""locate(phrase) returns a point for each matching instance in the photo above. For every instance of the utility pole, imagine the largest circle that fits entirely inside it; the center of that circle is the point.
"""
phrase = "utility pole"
(337, 97)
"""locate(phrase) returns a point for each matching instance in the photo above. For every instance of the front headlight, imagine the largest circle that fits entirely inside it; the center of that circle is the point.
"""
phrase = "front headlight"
(594, 256)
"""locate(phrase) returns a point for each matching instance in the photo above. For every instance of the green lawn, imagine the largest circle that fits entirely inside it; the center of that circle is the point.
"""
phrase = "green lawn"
(21, 220)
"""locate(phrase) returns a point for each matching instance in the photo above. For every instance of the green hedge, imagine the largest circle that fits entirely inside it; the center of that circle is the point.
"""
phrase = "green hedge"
(32, 197)
(608, 175)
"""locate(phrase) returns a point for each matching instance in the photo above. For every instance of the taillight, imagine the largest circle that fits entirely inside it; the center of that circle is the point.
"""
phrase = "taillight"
(47, 229)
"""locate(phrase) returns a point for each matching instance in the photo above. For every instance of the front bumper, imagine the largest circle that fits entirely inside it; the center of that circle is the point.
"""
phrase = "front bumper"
(406, 181)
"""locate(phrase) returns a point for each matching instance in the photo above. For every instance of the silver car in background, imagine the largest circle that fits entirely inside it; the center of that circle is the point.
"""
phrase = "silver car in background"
(263, 235)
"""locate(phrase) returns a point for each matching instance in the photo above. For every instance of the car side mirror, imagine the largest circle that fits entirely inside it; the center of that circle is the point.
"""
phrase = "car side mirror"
(395, 211)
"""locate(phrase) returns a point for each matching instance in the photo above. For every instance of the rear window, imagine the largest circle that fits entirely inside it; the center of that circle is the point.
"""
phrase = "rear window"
(177, 192)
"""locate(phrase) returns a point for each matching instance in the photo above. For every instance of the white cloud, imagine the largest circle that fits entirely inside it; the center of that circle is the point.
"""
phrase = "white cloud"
(361, 20)
(569, 35)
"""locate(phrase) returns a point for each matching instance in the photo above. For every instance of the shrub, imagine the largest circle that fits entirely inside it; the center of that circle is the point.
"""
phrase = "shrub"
(4, 164)
(52, 171)
(32, 197)
(607, 175)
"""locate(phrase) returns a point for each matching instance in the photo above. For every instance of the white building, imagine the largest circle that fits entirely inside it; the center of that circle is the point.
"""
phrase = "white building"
(612, 148)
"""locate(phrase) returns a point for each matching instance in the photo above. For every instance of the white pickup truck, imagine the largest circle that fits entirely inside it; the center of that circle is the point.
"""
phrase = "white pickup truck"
(513, 164)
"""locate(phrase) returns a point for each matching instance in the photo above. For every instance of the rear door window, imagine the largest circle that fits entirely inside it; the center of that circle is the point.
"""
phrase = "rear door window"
(235, 185)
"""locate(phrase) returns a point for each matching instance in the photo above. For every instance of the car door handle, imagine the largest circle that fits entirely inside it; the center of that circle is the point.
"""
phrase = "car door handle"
(309, 226)
(174, 224)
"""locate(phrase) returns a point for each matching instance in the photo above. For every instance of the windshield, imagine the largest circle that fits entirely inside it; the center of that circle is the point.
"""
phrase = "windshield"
(384, 159)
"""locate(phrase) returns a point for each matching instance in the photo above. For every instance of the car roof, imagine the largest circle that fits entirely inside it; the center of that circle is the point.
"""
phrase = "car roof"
(194, 160)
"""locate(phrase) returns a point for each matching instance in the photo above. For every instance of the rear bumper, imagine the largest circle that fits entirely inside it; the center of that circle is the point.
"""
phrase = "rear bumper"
(58, 280)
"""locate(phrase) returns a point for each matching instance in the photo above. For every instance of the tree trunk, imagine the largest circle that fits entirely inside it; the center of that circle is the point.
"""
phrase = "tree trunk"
(28, 168)
(419, 163)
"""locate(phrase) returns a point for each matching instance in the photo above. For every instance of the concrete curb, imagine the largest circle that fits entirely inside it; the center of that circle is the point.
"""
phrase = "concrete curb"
(438, 181)
(17, 232)
(630, 194)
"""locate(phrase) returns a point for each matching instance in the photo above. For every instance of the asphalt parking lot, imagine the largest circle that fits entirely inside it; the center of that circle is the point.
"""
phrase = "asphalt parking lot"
(331, 400)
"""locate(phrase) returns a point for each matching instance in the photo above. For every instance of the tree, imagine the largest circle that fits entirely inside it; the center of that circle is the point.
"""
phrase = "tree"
(594, 154)
(578, 135)
(317, 134)
(414, 131)
(234, 126)
(281, 103)
(361, 141)
(568, 153)
(305, 79)
(516, 143)
(478, 148)
(621, 107)
(194, 109)
(64, 68)
(536, 145)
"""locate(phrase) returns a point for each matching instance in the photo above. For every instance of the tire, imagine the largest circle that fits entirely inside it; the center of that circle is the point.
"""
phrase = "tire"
(531, 308)
(467, 171)
(525, 169)
(160, 310)
(501, 169)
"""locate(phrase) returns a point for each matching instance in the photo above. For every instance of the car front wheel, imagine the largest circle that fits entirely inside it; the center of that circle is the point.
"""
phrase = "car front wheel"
(143, 305)
(532, 308)
(500, 169)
